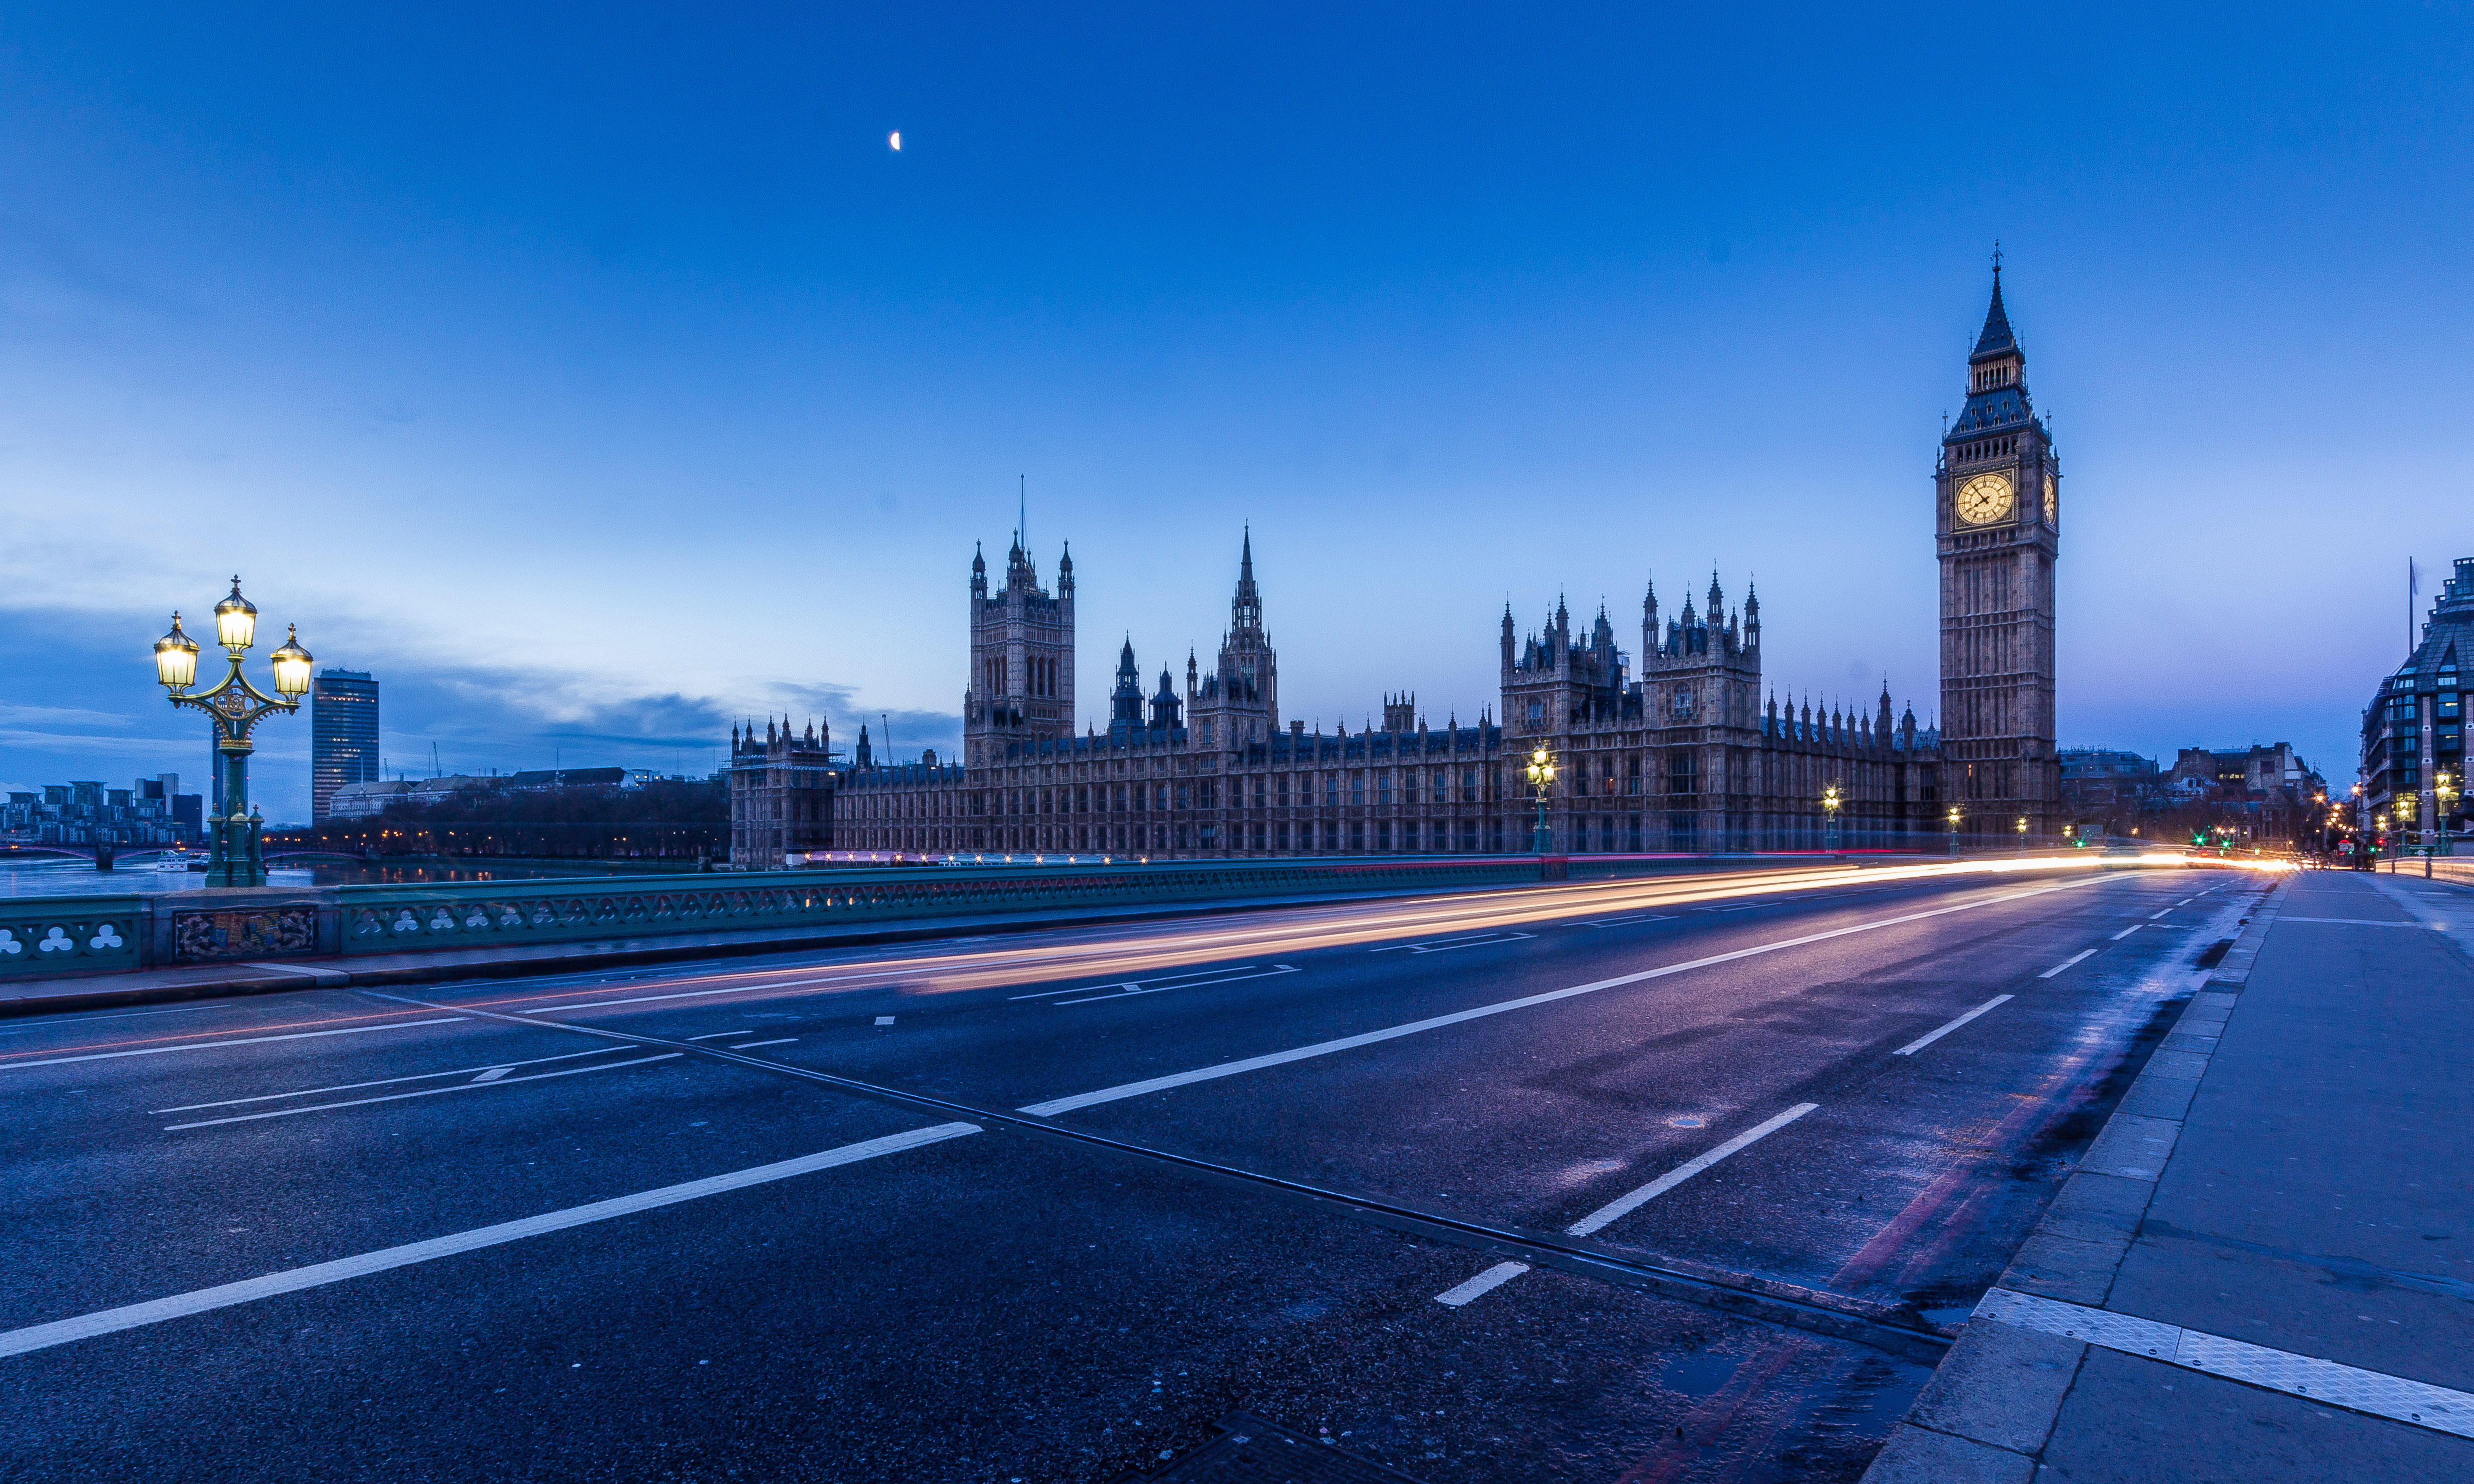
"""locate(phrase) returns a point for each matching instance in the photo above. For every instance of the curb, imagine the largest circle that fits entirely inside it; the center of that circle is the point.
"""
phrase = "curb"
(1986, 1414)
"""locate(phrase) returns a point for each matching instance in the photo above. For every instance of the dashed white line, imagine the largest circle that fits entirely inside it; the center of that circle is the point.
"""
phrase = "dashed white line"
(702, 994)
(244, 1040)
(2152, 917)
(1483, 1285)
(385, 1082)
(885, 1020)
(1923, 1041)
(1446, 946)
(2067, 963)
(2127, 932)
(483, 1081)
(1155, 987)
(86, 1326)
(750, 1045)
(1624, 1204)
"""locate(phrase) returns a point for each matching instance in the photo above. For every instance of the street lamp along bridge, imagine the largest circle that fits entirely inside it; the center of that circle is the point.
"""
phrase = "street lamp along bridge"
(234, 708)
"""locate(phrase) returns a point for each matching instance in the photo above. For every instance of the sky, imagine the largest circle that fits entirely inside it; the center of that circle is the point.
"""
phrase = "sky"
(597, 375)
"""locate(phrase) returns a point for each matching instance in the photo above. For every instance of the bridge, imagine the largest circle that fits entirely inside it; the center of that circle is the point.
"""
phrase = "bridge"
(138, 855)
(1603, 1141)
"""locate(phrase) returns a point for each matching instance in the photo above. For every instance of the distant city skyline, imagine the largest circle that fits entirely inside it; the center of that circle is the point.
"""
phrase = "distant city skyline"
(597, 415)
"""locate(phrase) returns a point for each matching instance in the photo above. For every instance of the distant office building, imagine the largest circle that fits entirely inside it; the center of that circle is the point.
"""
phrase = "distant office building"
(362, 800)
(152, 812)
(2413, 731)
(343, 734)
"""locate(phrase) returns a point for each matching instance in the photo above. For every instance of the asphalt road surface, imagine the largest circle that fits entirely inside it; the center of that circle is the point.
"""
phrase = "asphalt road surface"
(1435, 1179)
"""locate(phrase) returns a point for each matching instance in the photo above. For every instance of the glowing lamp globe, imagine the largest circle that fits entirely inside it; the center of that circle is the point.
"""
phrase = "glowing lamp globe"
(176, 658)
(236, 621)
(291, 666)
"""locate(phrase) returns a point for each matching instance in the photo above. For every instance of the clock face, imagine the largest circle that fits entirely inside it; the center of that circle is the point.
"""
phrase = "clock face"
(2052, 501)
(1983, 500)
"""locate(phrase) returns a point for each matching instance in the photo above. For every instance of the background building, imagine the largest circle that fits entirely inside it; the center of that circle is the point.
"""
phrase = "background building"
(1689, 754)
(150, 811)
(343, 736)
(2415, 728)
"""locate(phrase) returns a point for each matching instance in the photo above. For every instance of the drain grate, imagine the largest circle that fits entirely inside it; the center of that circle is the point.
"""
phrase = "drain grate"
(1250, 1450)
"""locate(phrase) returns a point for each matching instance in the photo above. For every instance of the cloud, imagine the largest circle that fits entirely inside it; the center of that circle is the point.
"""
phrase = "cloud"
(114, 721)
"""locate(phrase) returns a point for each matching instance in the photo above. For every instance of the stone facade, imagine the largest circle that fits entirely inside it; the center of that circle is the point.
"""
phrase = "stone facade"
(1688, 752)
(781, 793)
(2413, 731)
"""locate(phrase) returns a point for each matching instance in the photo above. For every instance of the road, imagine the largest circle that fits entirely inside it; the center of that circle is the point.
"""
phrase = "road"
(1436, 1178)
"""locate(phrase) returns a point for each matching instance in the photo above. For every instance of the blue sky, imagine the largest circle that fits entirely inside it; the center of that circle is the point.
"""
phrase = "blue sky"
(595, 376)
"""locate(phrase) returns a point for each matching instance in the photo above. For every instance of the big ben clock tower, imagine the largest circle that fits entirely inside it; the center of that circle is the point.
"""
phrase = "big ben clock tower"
(1997, 512)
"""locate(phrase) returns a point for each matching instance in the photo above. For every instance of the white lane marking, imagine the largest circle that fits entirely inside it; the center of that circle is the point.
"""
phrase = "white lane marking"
(1163, 981)
(493, 1075)
(885, 1020)
(1624, 1204)
(1446, 946)
(50, 1022)
(2330, 1382)
(2127, 932)
(246, 1040)
(1483, 1285)
(715, 1036)
(1623, 922)
(2067, 963)
(1273, 972)
(2352, 922)
(383, 1081)
(86, 1326)
(1923, 1041)
(1081, 1099)
(426, 1092)
(750, 1045)
(2152, 917)
(699, 994)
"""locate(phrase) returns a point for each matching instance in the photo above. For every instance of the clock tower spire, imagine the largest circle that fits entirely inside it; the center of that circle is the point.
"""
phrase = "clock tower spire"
(1996, 511)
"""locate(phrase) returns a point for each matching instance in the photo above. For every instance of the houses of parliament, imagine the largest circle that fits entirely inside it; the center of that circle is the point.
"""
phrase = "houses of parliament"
(1684, 752)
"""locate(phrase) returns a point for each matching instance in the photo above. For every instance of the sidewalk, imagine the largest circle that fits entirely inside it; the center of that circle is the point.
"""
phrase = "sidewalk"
(2264, 1268)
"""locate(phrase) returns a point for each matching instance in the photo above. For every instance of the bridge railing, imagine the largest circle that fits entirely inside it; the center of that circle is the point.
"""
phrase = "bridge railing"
(65, 934)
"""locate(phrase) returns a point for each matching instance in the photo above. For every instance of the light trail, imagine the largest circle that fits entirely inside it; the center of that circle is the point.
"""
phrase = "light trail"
(1149, 949)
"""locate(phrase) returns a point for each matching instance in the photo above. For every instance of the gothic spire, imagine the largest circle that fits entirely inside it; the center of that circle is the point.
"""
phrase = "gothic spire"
(1246, 607)
(1997, 337)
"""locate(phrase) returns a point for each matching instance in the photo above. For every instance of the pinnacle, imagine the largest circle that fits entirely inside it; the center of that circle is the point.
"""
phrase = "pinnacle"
(1997, 336)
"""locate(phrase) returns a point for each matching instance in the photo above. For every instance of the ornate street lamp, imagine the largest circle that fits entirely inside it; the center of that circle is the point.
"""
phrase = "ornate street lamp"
(1829, 802)
(1954, 829)
(234, 708)
(2023, 834)
(2444, 788)
(1541, 777)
